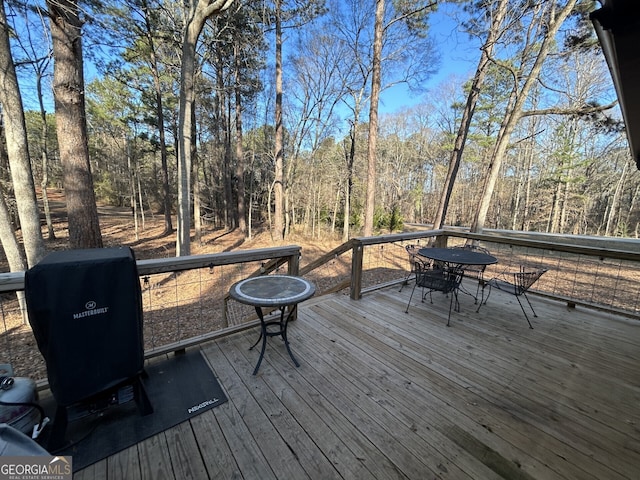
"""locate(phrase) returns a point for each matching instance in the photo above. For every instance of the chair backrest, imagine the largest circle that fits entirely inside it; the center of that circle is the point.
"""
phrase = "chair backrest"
(433, 277)
(473, 248)
(412, 251)
(525, 279)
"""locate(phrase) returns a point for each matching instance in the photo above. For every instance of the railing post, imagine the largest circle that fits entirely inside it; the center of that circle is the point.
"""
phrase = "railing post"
(293, 268)
(293, 261)
(441, 241)
(356, 270)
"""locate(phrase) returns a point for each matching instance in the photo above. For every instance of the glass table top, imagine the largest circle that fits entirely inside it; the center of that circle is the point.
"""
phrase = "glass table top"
(272, 290)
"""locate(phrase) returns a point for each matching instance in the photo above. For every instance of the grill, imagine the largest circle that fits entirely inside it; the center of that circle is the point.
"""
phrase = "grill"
(85, 309)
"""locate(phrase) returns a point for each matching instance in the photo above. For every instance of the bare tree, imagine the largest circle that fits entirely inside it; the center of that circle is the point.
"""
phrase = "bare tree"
(373, 119)
(349, 158)
(540, 36)
(38, 59)
(354, 72)
(278, 180)
(198, 11)
(298, 14)
(147, 34)
(496, 11)
(18, 151)
(240, 163)
(397, 41)
(314, 94)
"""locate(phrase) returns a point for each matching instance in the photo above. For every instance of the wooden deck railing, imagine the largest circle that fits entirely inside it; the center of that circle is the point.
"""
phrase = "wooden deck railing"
(186, 301)
(597, 272)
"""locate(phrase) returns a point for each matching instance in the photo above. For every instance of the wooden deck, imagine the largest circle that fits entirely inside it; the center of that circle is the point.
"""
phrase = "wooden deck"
(381, 394)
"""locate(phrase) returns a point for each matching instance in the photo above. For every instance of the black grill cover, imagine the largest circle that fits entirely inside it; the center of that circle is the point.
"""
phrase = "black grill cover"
(85, 309)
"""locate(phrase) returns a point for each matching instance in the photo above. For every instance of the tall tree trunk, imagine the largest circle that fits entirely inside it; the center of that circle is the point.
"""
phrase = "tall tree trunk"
(631, 208)
(614, 204)
(44, 183)
(230, 205)
(524, 182)
(373, 119)
(18, 151)
(185, 117)
(12, 251)
(251, 202)
(514, 113)
(566, 184)
(71, 124)
(350, 160)
(242, 208)
(10, 244)
(132, 189)
(517, 189)
(554, 221)
(269, 200)
(278, 221)
(287, 209)
(469, 109)
(336, 206)
(140, 195)
(199, 11)
(157, 86)
(526, 201)
(196, 166)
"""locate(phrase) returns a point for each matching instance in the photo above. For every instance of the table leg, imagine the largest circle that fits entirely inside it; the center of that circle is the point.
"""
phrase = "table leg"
(263, 336)
(283, 330)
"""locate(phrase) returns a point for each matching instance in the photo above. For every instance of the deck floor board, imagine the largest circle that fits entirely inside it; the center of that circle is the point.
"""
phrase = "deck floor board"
(385, 394)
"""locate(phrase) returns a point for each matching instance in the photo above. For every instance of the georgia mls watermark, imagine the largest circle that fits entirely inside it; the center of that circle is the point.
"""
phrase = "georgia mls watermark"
(39, 467)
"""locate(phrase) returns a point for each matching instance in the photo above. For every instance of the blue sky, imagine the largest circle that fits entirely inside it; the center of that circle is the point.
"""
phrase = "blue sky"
(458, 57)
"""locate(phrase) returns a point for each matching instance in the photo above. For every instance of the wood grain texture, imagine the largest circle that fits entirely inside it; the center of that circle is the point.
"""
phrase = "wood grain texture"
(385, 394)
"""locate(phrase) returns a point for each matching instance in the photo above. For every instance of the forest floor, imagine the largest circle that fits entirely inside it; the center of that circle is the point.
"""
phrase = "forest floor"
(118, 229)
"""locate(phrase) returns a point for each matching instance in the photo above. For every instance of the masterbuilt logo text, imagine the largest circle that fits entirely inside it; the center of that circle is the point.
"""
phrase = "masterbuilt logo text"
(91, 308)
(40, 467)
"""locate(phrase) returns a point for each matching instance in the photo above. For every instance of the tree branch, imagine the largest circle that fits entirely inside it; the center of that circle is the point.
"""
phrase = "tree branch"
(216, 6)
(408, 14)
(569, 111)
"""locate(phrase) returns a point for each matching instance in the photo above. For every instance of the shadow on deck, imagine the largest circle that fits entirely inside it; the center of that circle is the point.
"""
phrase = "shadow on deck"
(383, 394)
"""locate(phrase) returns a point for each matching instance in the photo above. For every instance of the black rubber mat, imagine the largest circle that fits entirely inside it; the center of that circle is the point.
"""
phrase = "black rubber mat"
(179, 388)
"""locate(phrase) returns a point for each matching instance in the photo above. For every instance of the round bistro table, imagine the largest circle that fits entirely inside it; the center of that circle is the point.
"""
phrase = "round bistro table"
(283, 292)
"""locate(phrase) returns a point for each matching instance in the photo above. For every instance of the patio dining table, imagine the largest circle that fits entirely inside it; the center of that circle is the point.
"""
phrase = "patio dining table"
(457, 258)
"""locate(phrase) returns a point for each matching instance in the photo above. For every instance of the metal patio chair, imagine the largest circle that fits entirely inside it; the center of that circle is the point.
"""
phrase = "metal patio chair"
(412, 251)
(432, 277)
(475, 272)
(517, 284)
